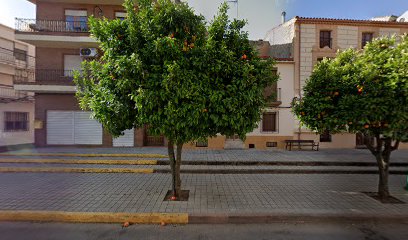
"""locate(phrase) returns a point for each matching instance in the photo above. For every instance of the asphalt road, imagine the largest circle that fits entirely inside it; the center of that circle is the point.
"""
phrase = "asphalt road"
(321, 231)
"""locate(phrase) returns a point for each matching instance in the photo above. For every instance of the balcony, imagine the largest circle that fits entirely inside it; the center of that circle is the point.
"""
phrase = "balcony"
(8, 94)
(44, 77)
(16, 59)
(54, 33)
(273, 97)
(37, 25)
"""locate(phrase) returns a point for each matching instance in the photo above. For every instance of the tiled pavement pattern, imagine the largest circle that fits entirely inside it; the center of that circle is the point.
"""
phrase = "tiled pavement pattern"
(359, 155)
(197, 167)
(222, 193)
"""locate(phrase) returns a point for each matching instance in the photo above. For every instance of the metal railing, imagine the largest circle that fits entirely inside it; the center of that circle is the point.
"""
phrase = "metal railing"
(54, 76)
(24, 76)
(37, 25)
(8, 93)
(7, 56)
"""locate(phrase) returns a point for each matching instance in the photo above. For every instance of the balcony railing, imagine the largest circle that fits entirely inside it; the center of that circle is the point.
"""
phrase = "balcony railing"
(274, 99)
(8, 94)
(8, 56)
(46, 76)
(36, 25)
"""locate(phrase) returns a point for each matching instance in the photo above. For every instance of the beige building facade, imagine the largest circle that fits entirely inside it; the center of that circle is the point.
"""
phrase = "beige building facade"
(16, 107)
(309, 40)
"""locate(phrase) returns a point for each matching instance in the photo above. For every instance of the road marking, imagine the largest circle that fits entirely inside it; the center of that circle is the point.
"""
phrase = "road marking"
(87, 155)
(75, 170)
(80, 161)
(94, 217)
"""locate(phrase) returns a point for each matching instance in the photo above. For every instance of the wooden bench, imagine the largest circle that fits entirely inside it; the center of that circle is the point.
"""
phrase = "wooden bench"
(301, 143)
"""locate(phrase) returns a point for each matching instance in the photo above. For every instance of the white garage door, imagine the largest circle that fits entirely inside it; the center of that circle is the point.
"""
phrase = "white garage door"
(70, 127)
(126, 140)
(59, 128)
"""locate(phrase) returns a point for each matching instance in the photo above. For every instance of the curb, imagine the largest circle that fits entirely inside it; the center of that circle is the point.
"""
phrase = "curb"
(75, 170)
(278, 171)
(293, 218)
(185, 218)
(87, 155)
(94, 217)
(78, 161)
(283, 163)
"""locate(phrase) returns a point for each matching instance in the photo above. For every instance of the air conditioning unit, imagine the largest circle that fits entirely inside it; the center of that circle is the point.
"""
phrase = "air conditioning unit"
(88, 52)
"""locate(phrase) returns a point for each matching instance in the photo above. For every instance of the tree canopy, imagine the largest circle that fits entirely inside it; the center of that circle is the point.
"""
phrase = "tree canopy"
(164, 68)
(361, 91)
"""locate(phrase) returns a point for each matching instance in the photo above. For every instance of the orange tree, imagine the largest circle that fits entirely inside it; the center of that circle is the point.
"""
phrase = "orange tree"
(164, 67)
(362, 92)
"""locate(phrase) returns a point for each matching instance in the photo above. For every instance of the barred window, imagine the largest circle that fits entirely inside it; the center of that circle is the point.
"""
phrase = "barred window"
(366, 38)
(16, 121)
(325, 39)
(202, 143)
(20, 54)
(269, 122)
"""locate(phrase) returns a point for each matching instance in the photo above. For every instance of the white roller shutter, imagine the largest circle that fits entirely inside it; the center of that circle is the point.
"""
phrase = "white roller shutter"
(126, 140)
(60, 125)
(71, 62)
(86, 130)
(70, 127)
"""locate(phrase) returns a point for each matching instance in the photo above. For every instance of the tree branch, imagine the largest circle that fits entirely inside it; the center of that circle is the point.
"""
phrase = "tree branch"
(396, 145)
(369, 144)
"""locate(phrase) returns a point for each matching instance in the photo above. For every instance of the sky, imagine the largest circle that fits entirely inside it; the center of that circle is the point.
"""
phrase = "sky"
(262, 15)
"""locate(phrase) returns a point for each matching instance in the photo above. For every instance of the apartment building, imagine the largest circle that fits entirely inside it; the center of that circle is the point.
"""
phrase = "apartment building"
(309, 40)
(61, 37)
(16, 107)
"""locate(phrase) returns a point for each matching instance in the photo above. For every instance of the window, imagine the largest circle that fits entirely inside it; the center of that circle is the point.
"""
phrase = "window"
(270, 92)
(202, 143)
(71, 63)
(271, 144)
(366, 38)
(20, 54)
(15, 121)
(325, 39)
(269, 122)
(325, 137)
(120, 15)
(76, 20)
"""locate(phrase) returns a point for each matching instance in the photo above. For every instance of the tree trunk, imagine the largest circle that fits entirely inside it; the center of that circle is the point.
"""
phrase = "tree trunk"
(170, 148)
(383, 166)
(381, 148)
(177, 171)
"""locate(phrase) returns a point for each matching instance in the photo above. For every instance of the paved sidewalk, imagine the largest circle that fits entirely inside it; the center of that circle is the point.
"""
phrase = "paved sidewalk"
(345, 155)
(310, 195)
(209, 194)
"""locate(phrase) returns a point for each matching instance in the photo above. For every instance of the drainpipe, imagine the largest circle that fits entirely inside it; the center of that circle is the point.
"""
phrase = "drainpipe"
(300, 89)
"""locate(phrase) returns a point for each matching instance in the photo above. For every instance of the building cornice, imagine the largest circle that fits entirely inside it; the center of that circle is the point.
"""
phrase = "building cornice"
(352, 22)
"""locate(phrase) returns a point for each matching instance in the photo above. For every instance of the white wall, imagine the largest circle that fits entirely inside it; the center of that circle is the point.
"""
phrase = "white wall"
(15, 138)
(7, 70)
(286, 120)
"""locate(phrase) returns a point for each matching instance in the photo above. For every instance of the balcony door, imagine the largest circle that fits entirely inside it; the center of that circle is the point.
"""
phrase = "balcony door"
(71, 63)
(76, 20)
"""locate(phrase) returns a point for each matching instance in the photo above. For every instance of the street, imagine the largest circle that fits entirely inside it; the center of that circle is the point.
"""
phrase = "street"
(349, 231)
